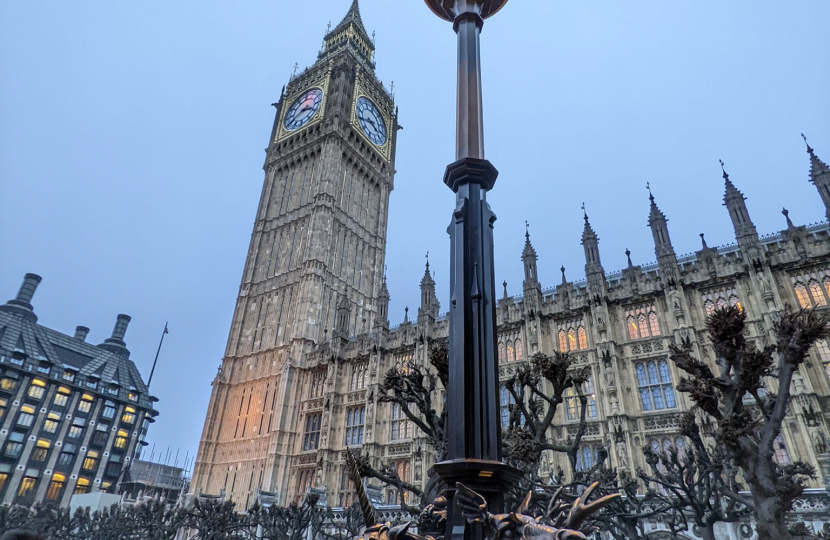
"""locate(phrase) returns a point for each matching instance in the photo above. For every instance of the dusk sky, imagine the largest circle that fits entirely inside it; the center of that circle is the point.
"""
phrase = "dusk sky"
(132, 140)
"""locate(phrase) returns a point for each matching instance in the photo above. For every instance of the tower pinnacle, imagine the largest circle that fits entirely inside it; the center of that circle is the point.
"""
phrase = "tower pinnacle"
(659, 229)
(819, 176)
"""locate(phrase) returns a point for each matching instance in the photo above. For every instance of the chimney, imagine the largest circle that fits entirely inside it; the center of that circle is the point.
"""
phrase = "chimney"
(81, 332)
(115, 343)
(21, 305)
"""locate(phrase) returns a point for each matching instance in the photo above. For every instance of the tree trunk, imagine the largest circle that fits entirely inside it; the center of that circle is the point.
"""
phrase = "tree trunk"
(770, 514)
(707, 532)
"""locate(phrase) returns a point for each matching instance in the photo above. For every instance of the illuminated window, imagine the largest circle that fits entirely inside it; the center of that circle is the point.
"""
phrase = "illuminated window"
(656, 390)
(27, 415)
(91, 461)
(360, 376)
(62, 397)
(572, 343)
(502, 353)
(642, 322)
(355, 419)
(4, 476)
(780, 448)
(583, 338)
(27, 485)
(803, 297)
(9, 382)
(41, 450)
(563, 342)
(69, 376)
(86, 403)
(817, 293)
(55, 487)
(403, 362)
(401, 426)
(14, 446)
(519, 350)
(109, 410)
(120, 439)
(52, 422)
(129, 415)
(132, 395)
(572, 401)
(3, 404)
(37, 389)
(311, 439)
(511, 352)
(709, 307)
(402, 469)
(82, 486)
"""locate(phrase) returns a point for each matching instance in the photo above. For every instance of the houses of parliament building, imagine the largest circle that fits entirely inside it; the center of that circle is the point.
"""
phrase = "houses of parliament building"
(310, 340)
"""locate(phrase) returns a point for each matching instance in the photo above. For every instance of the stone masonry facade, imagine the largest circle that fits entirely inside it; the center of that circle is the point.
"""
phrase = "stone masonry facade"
(310, 342)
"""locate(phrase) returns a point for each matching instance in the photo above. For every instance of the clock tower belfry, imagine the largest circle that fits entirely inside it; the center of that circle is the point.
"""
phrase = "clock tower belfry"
(319, 240)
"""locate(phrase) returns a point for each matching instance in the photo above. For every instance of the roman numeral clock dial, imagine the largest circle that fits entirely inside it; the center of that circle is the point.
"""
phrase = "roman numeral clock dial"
(303, 109)
(371, 121)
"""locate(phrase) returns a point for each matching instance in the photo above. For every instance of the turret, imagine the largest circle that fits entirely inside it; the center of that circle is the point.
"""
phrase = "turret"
(429, 301)
(745, 232)
(659, 230)
(529, 258)
(382, 318)
(819, 176)
(590, 241)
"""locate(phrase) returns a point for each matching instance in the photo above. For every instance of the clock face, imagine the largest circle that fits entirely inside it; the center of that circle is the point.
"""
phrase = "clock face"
(371, 121)
(303, 109)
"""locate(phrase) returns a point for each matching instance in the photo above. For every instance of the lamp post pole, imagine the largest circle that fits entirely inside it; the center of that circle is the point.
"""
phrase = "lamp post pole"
(474, 432)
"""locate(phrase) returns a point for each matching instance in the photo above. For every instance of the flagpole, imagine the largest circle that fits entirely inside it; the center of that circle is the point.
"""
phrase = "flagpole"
(157, 357)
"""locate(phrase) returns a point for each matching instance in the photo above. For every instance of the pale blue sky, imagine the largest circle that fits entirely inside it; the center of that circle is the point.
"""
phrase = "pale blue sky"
(132, 137)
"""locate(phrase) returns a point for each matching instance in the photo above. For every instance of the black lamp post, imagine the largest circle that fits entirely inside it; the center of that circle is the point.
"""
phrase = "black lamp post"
(474, 432)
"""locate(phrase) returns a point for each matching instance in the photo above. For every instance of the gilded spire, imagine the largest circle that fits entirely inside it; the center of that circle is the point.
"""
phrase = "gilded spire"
(350, 30)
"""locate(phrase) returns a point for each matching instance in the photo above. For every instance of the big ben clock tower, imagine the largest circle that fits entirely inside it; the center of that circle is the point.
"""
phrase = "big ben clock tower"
(317, 250)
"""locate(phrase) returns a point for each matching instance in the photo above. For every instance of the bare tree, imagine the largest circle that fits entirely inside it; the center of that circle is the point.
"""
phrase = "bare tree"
(745, 431)
(697, 480)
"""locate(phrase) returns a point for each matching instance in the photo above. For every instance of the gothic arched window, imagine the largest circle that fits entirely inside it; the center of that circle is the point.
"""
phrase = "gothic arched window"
(709, 307)
(653, 324)
(563, 342)
(803, 297)
(586, 458)
(502, 355)
(572, 343)
(583, 338)
(817, 293)
(511, 352)
(654, 381)
(572, 409)
(721, 302)
(633, 333)
(780, 448)
(642, 321)
(519, 350)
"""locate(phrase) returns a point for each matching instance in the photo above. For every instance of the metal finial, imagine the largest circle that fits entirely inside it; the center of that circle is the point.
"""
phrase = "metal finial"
(628, 254)
(563, 274)
(527, 230)
(584, 212)
(328, 28)
(650, 195)
(296, 65)
(723, 168)
(703, 240)
(373, 37)
(809, 148)
(427, 256)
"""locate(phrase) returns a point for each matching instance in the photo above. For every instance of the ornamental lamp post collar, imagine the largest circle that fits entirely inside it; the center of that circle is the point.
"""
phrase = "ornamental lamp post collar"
(450, 9)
